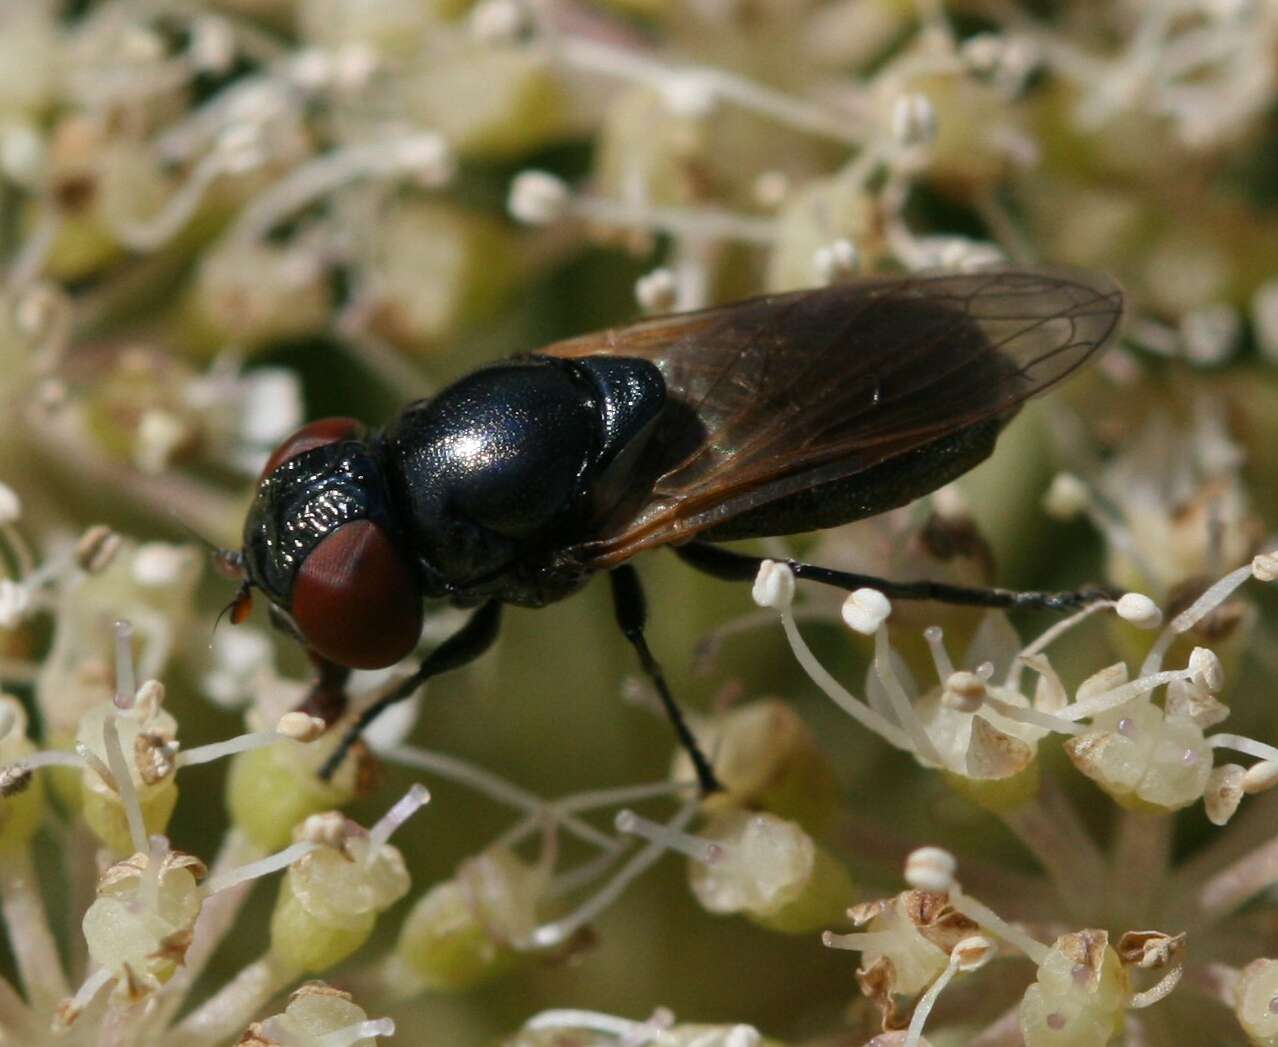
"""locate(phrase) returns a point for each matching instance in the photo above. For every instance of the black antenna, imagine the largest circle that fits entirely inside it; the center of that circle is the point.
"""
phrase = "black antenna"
(228, 562)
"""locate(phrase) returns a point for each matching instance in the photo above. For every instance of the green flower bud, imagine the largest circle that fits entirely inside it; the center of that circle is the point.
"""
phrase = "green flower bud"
(270, 790)
(331, 897)
(1080, 996)
(771, 871)
(464, 932)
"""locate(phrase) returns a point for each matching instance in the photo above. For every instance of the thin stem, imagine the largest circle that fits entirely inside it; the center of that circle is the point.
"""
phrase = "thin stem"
(1051, 829)
(1233, 885)
(550, 934)
(217, 917)
(230, 1010)
(595, 57)
(16, 1018)
(491, 785)
(34, 950)
(1142, 849)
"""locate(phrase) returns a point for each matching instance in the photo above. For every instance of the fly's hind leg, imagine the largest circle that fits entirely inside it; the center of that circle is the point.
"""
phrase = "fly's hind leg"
(734, 566)
(464, 646)
(632, 614)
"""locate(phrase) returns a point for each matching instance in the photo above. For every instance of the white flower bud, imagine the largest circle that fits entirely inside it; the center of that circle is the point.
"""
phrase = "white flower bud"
(1210, 333)
(157, 564)
(22, 154)
(836, 260)
(212, 45)
(771, 189)
(657, 291)
(10, 505)
(1207, 670)
(930, 869)
(15, 600)
(354, 66)
(538, 198)
(1066, 498)
(865, 610)
(1140, 610)
(499, 21)
(690, 94)
(311, 68)
(743, 1036)
(774, 585)
(1264, 318)
(982, 52)
(429, 159)
(160, 434)
(913, 120)
(300, 726)
(1264, 567)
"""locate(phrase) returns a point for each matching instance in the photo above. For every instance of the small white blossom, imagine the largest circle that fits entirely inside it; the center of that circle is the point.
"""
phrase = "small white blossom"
(913, 120)
(15, 601)
(10, 505)
(499, 21)
(538, 198)
(657, 291)
(836, 260)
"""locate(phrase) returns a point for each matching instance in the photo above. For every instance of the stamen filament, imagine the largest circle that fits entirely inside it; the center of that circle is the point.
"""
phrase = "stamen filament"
(402, 809)
(125, 680)
(262, 867)
(61, 758)
(124, 785)
(1112, 699)
(549, 934)
(682, 843)
(863, 714)
(991, 921)
(860, 941)
(217, 750)
(935, 638)
(928, 1000)
(901, 704)
(1242, 744)
(1047, 638)
(1216, 594)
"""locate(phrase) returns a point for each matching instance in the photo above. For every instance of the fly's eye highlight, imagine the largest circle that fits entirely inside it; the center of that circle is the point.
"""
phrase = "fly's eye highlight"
(313, 434)
(356, 599)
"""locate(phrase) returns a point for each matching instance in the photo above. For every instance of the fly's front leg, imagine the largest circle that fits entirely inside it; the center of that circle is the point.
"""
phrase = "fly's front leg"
(464, 646)
(632, 615)
(734, 566)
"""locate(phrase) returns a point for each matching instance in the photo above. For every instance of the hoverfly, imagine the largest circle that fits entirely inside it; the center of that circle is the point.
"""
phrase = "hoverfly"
(523, 479)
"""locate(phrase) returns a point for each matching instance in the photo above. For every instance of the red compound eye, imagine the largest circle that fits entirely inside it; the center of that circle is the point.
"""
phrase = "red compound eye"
(356, 600)
(312, 435)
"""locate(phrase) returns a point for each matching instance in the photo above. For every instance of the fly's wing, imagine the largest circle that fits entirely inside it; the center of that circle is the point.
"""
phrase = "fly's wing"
(777, 394)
